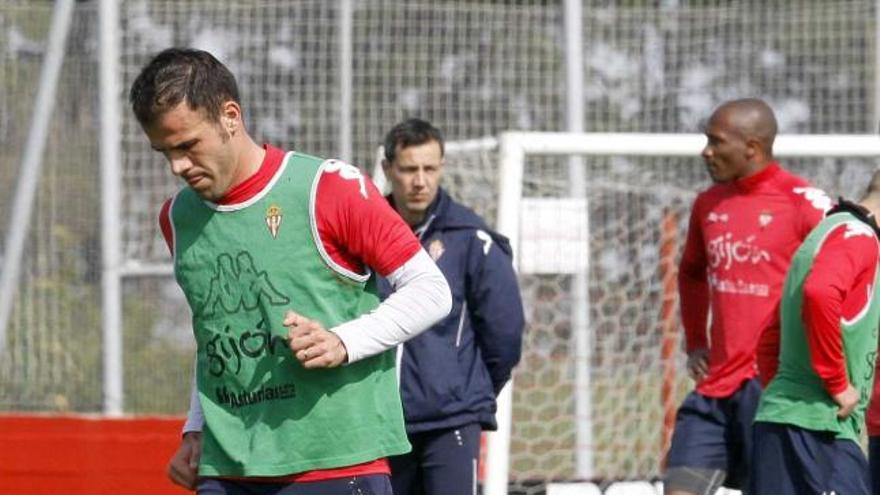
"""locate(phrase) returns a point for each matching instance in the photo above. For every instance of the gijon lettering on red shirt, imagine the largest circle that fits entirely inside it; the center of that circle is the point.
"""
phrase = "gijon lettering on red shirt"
(723, 251)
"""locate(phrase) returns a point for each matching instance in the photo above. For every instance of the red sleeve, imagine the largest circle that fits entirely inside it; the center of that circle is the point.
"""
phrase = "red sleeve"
(165, 225)
(836, 285)
(693, 289)
(357, 226)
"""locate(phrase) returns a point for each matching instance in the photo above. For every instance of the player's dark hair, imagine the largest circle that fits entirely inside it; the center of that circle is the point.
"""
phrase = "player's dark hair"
(857, 210)
(411, 132)
(175, 75)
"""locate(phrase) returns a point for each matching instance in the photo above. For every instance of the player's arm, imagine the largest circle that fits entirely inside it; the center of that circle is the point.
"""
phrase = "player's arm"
(376, 234)
(494, 305)
(693, 292)
(195, 419)
(421, 298)
(841, 260)
(183, 467)
(354, 218)
(165, 225)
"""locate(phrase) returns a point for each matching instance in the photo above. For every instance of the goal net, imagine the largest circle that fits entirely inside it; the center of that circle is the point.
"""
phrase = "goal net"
(598, 222)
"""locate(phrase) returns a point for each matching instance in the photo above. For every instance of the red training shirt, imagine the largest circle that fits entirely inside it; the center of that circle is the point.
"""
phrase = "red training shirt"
(740, 240)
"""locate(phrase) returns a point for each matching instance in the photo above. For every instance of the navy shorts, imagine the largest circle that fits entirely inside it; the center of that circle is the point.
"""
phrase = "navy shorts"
(374, 484)
(441, 462)
(874, 463)
(712, 433)
(789, 460)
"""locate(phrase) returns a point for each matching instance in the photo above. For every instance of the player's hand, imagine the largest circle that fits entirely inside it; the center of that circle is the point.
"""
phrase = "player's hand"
(847, 401)
(183, 468)
(312, 345)
(698, 363)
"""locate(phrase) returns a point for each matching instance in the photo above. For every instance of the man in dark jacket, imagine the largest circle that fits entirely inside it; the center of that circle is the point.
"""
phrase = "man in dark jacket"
(450, 374)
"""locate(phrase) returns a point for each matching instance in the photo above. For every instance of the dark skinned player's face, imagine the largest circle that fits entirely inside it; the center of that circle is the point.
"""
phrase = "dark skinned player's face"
(726, 153)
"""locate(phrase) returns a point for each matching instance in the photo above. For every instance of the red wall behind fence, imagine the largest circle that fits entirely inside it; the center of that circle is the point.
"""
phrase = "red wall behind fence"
(43, 455)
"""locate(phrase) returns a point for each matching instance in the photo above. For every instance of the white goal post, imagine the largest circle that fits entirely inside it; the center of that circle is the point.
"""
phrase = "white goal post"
(516, 145)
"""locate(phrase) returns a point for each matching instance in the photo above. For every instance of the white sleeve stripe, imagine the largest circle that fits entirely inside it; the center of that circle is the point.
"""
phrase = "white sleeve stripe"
(195, 418)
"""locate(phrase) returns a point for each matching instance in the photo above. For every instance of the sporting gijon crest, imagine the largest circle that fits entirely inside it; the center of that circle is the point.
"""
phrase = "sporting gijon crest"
(764, 218)
(273, 219)
(436, 249)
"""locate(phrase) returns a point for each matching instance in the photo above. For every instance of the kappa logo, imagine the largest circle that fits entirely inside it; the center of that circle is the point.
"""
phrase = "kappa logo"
(237, 285)
(765, 218)
(815, 196)
(347, 172)
(273, 220)
(487, 241)
(856, 229)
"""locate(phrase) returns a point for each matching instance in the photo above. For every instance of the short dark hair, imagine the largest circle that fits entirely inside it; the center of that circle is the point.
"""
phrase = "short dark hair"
(175, 75)
(411, 132)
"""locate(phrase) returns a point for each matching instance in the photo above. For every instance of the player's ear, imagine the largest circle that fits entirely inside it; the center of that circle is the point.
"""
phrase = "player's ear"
(230, 115)
(754, 149)
(386, 168)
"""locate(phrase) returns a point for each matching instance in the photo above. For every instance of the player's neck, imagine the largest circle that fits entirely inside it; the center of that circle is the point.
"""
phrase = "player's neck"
(249, 159)
(758, 166)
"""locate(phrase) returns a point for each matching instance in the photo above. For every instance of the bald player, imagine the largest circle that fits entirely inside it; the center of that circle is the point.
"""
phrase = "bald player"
(742, 233)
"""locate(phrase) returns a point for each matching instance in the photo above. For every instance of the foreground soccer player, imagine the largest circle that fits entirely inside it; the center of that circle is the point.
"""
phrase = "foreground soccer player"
(742, 234)
(451, 374)
(812, 413)
(272, 249)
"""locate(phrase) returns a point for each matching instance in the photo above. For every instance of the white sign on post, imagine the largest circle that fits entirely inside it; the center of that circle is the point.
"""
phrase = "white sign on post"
(554, 236)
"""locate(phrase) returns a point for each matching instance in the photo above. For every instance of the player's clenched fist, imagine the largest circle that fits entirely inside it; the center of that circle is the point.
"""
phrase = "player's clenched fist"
(698, 363)
(846, 401)
(312, 345)
(183, 469)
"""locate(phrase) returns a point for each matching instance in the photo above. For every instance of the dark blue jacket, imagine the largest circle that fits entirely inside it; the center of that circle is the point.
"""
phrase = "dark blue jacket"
(451, 373)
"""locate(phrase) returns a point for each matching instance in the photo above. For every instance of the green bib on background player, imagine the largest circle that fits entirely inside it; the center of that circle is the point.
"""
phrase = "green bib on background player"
(796, 394)
(241, 268)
